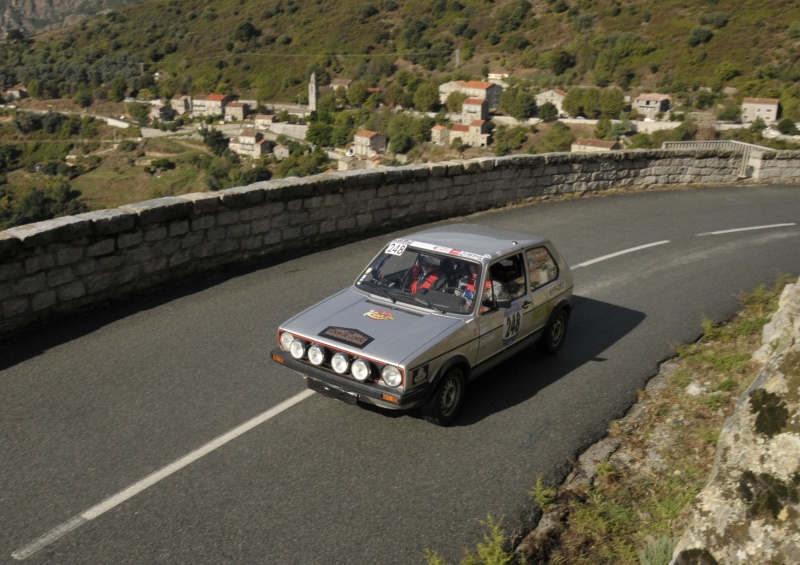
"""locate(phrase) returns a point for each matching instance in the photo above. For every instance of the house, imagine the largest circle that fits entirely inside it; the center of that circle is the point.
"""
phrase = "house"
(209, 105)
(250, 143)
(497, 75)
(593, 146)
(181, 104)
(554, 97)
(649, 104)
(16, 93)
(236, 111)
(765, 108)
(474, 109)
(263, 121)
(339, 82)
(489, 91)
(281, 152)
(440, 135)
(162, 113)
(475, 134)
(366, 143)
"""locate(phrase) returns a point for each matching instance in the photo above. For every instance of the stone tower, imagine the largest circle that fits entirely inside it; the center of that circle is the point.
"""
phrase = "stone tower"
(313, 92)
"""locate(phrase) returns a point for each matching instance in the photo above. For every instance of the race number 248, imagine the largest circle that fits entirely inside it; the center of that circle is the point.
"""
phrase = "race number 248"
(511, 325)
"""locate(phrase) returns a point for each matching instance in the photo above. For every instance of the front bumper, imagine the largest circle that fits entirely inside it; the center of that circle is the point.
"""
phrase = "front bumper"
(349, 390)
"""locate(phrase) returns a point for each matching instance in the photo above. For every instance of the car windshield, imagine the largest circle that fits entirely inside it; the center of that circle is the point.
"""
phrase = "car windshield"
(419, 276)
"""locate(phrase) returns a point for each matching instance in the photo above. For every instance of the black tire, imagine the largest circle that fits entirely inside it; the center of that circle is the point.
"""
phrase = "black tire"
(553, 337)
(445, 403)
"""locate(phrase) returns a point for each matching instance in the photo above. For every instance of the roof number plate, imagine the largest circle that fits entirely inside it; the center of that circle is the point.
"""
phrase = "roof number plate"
(396, 248)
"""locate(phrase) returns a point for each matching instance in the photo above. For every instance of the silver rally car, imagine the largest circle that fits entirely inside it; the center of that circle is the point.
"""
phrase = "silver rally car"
(432, 311)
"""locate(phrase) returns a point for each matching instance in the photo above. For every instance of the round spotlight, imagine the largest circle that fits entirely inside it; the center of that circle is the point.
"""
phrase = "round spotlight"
(286, 340)
(360, 370)
(391, 375)
(297, 348)
(316, 354)
(340, 363)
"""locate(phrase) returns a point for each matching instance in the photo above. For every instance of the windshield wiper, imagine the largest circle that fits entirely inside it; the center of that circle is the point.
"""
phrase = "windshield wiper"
(429, 304)
(383, 291)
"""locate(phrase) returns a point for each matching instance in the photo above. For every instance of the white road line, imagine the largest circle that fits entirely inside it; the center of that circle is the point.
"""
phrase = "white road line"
(134, 489)
(617, 254)
(746, 229)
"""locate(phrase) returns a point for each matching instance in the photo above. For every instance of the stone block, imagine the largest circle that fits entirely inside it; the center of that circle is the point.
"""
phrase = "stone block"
(155, 233)
(15, 307)
(99, 283)
(103, 247)
(126, 240)
(160, 209)
(178, 228)
(203, 222)
(203, 202)
(69, 255)
(57, 277)
(65, 229)
(39, 262)
(109, 222)
(71, 291)
(242, 196)
(10, 246)
(43, 301)
(30, 285)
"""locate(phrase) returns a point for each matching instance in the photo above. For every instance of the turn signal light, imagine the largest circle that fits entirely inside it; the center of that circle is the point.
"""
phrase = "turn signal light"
(390, 398)
(277, 358)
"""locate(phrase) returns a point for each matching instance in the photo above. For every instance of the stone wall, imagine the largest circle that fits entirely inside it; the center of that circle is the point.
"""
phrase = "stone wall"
(58, 266)
(749, 512)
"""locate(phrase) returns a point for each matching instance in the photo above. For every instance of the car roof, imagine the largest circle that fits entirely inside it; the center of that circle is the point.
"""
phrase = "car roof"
(475, 238)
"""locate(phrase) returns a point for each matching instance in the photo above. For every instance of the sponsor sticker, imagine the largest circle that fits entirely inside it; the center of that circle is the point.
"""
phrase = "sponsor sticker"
(419, 375)
(349, 336)
(379, 315)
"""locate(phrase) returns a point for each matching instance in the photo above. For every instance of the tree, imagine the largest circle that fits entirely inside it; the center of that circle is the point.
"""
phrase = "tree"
(320, 133)
(573, 102)
(358, 93)
(591, 103)
(700, 35)
(548, 112)
(215, 141)
(787, 127)
(518, 103)
(426, 97)
(612, 102)
(455, 101)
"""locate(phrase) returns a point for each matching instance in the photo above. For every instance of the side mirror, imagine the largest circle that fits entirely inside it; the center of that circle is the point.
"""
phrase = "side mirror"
(503, 303)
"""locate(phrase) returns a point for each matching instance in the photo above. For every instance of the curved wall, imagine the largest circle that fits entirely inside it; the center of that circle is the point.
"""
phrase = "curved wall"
(58, 266)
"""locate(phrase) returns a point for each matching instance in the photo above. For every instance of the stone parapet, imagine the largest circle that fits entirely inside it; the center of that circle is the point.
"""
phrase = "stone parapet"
(55, 267)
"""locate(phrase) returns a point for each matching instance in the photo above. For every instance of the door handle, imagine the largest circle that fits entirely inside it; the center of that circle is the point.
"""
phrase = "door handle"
(526, 303)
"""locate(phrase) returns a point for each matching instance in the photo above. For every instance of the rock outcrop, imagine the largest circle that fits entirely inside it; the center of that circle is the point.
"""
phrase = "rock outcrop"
(749, 512)
(35, 16)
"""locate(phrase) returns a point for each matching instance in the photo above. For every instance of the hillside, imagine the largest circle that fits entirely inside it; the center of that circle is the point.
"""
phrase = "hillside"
(267, 50)
(35, 16)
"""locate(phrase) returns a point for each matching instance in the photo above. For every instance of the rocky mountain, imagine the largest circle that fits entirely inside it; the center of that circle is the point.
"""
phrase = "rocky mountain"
(35, 16)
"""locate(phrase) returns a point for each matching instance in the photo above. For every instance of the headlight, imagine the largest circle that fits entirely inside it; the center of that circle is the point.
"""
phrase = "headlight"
(391, 375)
(360, 370)
(286, 340)
(297, 349)
(340, 363)
(316, 354)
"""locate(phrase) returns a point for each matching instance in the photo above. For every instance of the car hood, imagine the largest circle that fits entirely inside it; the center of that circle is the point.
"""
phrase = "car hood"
(373, 328)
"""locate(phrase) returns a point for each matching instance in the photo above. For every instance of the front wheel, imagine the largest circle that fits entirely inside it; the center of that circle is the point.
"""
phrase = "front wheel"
(553, 337)
(444, 405)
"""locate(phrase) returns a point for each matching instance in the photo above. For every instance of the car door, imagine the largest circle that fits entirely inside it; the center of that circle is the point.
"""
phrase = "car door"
(542, 273)
(506, 314)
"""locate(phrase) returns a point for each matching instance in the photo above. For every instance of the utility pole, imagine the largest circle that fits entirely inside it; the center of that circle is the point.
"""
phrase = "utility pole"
(458, 58)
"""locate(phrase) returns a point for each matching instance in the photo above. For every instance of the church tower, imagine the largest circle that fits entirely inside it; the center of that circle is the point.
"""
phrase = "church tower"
(313, 92)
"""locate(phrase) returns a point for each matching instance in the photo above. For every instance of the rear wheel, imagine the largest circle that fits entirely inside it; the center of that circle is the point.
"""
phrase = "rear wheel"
(553, 337)
(444, 405)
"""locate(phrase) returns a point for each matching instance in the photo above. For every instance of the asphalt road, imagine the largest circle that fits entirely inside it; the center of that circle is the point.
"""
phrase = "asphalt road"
(106, 418)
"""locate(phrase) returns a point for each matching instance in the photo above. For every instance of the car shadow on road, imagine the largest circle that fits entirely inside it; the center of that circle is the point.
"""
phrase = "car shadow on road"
(594, 327)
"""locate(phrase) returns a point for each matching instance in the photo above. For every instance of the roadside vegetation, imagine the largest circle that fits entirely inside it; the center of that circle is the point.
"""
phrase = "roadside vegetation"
(636, 512)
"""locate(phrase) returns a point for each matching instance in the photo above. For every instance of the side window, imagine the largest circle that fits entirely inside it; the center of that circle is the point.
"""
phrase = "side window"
(507, 278)
(542, 268)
